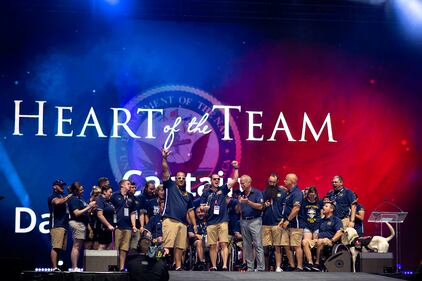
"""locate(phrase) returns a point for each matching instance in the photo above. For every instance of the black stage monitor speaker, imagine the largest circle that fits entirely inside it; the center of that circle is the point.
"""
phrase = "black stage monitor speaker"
(339, 262)
(374, 262)
(100, 260)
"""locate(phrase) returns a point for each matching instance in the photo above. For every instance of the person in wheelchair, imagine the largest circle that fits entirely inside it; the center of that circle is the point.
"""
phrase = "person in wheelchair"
(198, 240)
(330, 231)
(235, 237)
(154, 228)
(234, 223)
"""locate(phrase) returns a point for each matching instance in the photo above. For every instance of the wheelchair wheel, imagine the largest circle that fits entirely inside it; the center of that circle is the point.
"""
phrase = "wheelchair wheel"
(339, 248)
(233, 256)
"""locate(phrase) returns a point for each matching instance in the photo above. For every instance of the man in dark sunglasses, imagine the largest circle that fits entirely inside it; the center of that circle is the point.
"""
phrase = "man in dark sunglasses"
(213, 202)
(178, 203)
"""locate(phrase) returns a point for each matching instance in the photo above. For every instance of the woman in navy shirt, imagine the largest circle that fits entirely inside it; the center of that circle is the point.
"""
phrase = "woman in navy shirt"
(78, 222)
(91, 241)
(311, 213)
(106, 216)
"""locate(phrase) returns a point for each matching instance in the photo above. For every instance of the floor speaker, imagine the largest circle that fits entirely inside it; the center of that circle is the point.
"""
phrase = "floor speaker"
(100, 260)
(374, 262)
(339, 262)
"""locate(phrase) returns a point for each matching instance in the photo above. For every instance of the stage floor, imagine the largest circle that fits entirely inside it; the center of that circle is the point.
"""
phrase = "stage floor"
(246, 276)
(207, 276)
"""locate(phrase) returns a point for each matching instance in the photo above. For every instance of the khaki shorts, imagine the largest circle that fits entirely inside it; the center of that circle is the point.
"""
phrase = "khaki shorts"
(58, 238)
(271, 235)
(174, 234)
(122, 239)
(218, 232)
(134, 239)
(325, 242)
(292, 237)
(78, 229)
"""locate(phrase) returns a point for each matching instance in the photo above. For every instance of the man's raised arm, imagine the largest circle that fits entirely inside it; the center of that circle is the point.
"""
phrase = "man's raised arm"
(166, 172)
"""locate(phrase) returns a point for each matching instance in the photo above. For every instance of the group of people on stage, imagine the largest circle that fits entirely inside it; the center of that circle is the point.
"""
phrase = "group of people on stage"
(275, 219)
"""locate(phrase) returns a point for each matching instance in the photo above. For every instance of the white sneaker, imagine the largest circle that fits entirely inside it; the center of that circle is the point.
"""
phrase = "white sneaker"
(75, 269)
(278, 269)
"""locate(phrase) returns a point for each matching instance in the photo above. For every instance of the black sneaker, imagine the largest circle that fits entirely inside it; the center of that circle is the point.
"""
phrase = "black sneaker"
(200, 266)
(307, 267)
(224, 269)
(289, 268)
(57, 270)
(316, 267)
(298, 269)
(180, 269)
(213, 269)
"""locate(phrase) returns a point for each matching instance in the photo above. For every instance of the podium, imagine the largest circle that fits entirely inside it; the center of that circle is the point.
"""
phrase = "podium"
(390, 217)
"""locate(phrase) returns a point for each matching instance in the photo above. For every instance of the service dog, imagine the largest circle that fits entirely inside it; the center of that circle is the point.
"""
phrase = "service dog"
(358, 244)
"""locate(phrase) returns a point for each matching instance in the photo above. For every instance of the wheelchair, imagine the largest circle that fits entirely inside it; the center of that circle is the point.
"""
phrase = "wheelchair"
(191, 257)
(328, 251)
(235, 255)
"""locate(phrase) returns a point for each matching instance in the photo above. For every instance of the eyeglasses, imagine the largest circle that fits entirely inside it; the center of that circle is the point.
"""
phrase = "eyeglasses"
(180, 178)
(215, 179)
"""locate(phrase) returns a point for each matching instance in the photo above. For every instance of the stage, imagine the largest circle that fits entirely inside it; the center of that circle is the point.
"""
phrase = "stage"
(207, 276)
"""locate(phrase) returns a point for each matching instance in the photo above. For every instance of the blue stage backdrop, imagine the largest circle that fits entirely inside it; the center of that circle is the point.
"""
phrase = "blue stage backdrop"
(86, 98)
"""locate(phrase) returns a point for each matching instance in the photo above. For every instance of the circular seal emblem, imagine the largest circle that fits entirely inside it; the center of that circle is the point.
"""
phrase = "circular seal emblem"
(195, 153)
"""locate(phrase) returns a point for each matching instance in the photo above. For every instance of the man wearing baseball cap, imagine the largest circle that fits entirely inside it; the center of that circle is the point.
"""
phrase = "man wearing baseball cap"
(59, 220)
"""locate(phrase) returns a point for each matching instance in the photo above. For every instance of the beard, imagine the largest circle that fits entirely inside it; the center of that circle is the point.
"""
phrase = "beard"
(270, 192)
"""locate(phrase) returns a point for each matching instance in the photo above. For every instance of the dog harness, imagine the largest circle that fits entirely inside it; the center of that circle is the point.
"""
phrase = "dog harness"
(360, 242)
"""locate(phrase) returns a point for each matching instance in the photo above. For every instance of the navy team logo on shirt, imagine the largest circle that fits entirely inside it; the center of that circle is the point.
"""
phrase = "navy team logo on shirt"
(311, 215)
(195, 153)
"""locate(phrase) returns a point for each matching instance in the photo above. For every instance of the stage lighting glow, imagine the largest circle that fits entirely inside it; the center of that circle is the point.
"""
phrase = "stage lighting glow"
(60, 263)
(112, 2)
(6, 166)
(372, 2)
(409, 13)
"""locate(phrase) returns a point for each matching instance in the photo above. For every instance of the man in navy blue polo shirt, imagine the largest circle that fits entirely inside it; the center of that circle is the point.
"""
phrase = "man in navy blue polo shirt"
(330, 231)
(345, 201)
(154, 227)
(234, 216)
(134, 239)
(148, 194)
(292, 231)
(59, 220)
(198, 240)
(213, 202)
(178, 203)
(359, 218)
(250, 208)
(274, 197)
(126, 220)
